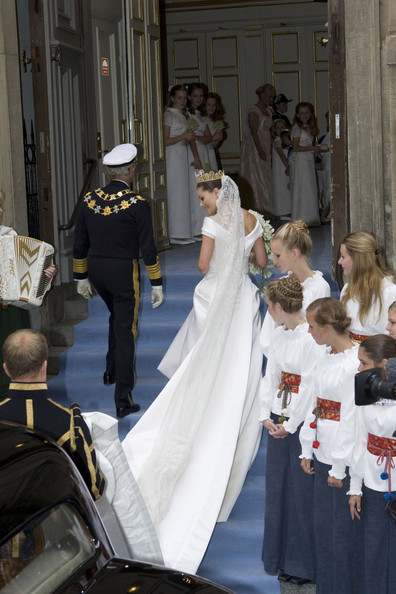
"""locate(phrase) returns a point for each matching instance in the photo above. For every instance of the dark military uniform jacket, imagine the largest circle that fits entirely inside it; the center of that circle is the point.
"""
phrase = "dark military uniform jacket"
(115, 223)
(30, 405)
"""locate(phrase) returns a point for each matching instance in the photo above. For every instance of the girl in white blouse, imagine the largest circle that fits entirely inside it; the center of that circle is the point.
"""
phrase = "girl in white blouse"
(291, 246)
(370, 289)
(373, 474)
(327, 438)
(285, 398)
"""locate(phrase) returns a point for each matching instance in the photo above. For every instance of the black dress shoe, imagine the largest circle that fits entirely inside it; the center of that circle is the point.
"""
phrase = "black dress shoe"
(123, 411)
(108, 378)
(297, 581)
(284, 577)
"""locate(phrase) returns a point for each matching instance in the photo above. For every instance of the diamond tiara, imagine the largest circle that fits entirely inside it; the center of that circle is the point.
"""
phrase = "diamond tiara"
(212, 175)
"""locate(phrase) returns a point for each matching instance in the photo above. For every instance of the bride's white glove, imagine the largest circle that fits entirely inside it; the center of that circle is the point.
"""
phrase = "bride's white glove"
(85, 288)
(157, 297)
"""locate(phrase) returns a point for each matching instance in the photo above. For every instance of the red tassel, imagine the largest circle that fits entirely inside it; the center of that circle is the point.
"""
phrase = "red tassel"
(313, 425)
(315, 445)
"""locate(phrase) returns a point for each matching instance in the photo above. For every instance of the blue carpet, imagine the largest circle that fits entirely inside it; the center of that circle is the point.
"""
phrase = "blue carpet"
(233, 557)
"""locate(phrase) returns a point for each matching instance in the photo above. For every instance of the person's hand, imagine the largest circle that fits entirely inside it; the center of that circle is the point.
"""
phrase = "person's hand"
(84, 288)
(287, 170)
(269, 425)
(262, 155)
(334, 482)
(50, 271)
(189, 135)
(306, 465)
(218, 135)
(197, 163)
(157, 297)
(280, 432)
(316, 149)
(355, 506)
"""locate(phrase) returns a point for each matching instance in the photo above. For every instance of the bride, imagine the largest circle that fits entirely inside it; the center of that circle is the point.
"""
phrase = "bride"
(192, 449)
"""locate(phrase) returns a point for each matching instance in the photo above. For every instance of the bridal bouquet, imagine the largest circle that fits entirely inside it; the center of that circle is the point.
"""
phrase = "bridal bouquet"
(266, 272)
(219, 125)
(192, 124)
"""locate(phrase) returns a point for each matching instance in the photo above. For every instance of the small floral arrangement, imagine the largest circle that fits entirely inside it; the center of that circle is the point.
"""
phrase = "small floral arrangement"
(219, 124)
(192, 124)
(206, 167)
(266, 272)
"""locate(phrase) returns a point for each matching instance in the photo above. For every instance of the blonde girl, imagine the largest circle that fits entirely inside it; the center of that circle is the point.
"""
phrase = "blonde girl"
(256, 151)
(291, 246)
(373, 477)
(280, 185)
(285, 397)
(304, 190)
(370, 289)
(327, 438)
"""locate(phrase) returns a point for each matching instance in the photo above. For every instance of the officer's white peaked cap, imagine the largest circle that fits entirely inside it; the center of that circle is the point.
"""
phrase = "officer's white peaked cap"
(122, 154)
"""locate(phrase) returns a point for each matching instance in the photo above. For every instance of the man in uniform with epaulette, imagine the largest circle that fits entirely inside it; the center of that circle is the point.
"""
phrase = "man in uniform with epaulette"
(112, 226)
(25, 354)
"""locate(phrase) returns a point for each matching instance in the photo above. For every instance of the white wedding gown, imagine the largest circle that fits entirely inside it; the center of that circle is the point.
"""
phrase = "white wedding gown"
(215, 459)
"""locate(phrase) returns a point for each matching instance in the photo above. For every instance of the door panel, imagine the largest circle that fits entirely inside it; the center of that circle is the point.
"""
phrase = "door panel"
(146, 107)
(110, 80)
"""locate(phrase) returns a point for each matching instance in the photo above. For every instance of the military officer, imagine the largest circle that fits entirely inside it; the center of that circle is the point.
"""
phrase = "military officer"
(279, 107)
(25, 354)
(112, 226)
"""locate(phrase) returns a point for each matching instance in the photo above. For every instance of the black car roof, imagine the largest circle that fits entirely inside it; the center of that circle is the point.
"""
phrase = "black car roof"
(35, 474)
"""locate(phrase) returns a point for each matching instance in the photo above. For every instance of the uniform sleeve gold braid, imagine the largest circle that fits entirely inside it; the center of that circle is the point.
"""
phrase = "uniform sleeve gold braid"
(29, 414)
(65, 408)
(63, 439)
(15, 547)
(93, 472)
(154, 271)
(80, 265)
(72, 431)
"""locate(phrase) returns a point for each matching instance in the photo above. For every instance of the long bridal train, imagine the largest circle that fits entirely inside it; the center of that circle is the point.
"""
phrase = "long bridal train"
(192, 449)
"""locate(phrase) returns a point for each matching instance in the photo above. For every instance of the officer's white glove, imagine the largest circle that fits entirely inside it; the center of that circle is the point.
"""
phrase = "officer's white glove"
(85, 288)
(157, 297)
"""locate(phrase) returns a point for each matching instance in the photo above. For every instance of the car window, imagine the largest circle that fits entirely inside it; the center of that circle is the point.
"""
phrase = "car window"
(45, 552)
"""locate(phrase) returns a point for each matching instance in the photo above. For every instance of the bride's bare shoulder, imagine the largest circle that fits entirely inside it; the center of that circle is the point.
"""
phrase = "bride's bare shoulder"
(249, 220)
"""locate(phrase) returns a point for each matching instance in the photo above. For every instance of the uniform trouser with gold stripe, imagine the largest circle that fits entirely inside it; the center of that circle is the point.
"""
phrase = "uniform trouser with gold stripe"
(117, 281)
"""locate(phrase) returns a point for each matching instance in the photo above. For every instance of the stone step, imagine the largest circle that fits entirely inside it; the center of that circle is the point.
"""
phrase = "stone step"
(54, 353)
(62, 333)
(75, 307)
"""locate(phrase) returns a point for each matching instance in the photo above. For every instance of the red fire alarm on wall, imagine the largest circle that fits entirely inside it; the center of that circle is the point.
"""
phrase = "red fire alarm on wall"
(105, 66)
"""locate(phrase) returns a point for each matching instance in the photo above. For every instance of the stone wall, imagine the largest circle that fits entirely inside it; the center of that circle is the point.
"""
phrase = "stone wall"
(370, 41)
(12, 170)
